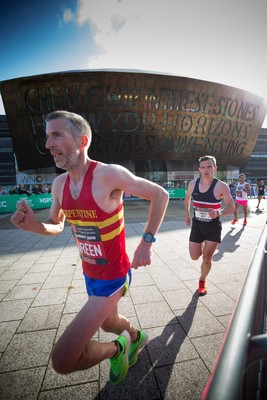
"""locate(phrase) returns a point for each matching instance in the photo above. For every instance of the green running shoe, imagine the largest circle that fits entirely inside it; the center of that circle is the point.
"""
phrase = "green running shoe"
(136, 346)
(119, 364)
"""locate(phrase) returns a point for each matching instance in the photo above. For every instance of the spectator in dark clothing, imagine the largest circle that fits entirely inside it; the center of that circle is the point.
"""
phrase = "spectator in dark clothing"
(21, 189)
(13, 190)
(36, 189)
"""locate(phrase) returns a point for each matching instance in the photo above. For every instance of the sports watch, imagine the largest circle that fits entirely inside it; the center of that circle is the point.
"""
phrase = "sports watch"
(148, 237)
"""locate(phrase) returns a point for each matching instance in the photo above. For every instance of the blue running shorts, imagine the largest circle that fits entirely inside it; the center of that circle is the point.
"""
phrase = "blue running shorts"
(106, 288)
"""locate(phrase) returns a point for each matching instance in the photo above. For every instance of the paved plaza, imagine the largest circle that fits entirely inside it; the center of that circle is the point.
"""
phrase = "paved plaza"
(42, 289)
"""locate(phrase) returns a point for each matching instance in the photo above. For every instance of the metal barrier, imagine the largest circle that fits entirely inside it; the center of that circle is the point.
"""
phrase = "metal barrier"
(237, 373)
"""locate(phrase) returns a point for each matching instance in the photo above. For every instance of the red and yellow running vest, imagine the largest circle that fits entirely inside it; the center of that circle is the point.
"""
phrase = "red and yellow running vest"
(100, 236)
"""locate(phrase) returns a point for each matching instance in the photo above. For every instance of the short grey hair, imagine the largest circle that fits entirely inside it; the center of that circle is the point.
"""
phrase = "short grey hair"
(79, 125)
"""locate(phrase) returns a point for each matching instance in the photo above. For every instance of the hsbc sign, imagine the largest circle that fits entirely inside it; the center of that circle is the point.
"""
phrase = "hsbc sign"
(176, 193)
(3, 204)
(8, 203)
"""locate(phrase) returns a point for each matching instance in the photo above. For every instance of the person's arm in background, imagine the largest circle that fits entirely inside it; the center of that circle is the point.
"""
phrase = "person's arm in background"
(228, 200)
(187, 202)
(248, 188)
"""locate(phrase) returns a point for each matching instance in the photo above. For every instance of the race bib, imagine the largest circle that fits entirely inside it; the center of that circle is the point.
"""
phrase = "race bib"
(238, 193)
(202, 214)
(90, 245)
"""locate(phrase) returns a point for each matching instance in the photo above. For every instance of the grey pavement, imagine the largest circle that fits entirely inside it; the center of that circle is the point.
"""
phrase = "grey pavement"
(42, 289)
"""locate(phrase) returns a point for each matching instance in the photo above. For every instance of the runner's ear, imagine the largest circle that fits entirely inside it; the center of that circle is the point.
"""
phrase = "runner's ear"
(84, 140)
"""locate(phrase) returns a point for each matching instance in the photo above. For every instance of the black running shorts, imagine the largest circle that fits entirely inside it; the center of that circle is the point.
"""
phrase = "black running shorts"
(201, 231)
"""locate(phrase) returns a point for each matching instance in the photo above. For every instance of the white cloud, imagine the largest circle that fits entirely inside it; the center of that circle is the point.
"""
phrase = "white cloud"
(68, 16)
(209, 40)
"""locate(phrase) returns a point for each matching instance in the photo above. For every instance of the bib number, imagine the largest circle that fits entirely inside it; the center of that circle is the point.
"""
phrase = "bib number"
(202, 214)
(90, 245)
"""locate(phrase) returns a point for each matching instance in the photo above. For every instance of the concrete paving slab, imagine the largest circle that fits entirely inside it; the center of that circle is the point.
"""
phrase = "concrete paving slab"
(42, 289)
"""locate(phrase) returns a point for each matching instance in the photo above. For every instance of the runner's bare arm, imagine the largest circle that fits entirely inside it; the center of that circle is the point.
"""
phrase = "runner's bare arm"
(125, 181)
(228, 200)
(24, 218)
(248, 188)
(115, 180)
(187, 202)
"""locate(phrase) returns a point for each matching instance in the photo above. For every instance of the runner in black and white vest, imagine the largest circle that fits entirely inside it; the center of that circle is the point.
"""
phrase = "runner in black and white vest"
(207, 193)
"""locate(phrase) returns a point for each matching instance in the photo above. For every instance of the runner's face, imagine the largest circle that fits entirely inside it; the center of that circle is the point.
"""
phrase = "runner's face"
(242, 178)
(207, 169)
(64, 148)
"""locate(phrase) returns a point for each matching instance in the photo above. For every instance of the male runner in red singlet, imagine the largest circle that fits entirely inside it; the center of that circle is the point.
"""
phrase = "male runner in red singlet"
(207, 193)
(89, 196)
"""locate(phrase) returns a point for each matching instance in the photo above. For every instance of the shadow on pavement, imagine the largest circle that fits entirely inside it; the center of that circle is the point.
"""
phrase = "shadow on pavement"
(229, 243)
(162, 351)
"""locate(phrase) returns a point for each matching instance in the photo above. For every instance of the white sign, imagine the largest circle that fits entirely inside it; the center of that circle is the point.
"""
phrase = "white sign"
(33, 179)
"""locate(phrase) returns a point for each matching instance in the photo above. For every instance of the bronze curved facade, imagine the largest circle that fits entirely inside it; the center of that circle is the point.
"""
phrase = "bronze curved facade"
(137, 116)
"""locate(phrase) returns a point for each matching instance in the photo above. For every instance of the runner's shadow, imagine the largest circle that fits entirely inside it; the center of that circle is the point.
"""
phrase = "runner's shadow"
(166, 350)
(228, 244)
(258, 211)
(155, 362)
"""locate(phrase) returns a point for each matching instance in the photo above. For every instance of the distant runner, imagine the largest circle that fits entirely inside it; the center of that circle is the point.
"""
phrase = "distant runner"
(261, 188)
(242, 189)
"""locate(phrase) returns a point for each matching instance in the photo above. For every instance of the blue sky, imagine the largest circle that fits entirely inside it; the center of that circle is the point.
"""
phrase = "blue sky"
(35, 38)
(213, 40)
